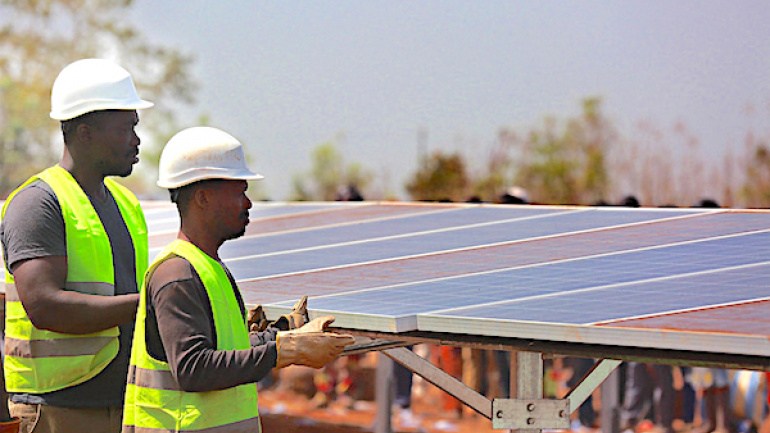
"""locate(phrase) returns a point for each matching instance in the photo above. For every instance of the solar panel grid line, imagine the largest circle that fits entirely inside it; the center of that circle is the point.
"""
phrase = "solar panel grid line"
(175, 218)
(403, 271)
(548, 309)
(337, 225)
(603, 241)
(612, 304)
(684, 310)
(392, 237)
(752, 317)
(605, 287)
(326, 226)
(413, 256)
(551, 263)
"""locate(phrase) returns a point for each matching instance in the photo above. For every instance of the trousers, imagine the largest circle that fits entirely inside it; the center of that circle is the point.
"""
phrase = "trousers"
(40, 418)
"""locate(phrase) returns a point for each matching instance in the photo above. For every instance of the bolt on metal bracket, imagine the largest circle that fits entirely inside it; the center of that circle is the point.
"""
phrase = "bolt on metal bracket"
(523, 413)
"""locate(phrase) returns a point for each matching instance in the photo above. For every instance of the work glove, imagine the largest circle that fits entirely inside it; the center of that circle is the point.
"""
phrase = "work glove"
(312, 349)
(257, 320)
(296, 318)
(319, 324)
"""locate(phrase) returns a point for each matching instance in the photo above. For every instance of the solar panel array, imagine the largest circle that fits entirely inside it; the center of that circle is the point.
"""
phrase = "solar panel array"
(685, 279)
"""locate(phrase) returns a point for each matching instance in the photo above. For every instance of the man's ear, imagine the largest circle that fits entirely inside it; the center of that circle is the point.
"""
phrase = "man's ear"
(83, 132)
(201, 197)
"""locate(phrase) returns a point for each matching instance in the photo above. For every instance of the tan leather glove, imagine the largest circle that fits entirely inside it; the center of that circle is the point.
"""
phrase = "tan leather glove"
(256, 319)
(313, 349)
(296, 318)
(319, 324)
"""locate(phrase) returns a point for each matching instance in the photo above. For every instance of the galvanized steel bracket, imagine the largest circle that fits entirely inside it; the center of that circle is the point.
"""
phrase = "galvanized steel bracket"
(529, 414)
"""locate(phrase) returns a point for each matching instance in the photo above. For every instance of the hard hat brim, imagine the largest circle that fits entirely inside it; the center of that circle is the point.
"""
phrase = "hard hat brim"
(76, 111)
(187, 178)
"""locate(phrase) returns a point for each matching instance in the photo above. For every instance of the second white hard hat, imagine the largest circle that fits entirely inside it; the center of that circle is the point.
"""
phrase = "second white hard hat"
(92, 85)
(200, 153)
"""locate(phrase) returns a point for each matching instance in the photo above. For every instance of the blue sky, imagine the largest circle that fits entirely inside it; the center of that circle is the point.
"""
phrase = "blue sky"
(285, 76)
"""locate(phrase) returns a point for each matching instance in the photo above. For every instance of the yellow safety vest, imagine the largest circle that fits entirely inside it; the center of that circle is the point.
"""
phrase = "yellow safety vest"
(39, 361)
(154, 400)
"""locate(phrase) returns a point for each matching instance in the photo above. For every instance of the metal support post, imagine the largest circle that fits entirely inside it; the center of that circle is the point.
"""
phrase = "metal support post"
(383, 395)
(529, 412)
(610, 416)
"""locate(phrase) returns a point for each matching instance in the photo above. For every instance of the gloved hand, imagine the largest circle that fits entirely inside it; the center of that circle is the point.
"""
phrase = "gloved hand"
(313, 349)
(256, 319)
(319, 324)
(296, 318)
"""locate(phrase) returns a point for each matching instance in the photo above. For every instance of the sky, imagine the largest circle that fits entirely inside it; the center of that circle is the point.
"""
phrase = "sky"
(284, 77)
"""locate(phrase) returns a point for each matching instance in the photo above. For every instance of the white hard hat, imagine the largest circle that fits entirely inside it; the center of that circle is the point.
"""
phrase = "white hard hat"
(518, 192)
(92, 85)
(199, 153)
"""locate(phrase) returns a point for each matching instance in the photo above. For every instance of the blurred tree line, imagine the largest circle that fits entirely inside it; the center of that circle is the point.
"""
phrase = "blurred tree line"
(584, 160)
(38, 38)
(579, 160)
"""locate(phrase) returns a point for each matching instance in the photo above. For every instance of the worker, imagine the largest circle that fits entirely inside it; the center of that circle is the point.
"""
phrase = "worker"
(75, 250)
(194, 363)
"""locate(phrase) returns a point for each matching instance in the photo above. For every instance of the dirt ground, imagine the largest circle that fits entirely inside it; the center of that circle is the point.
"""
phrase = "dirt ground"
(288, 412)
(288, 406)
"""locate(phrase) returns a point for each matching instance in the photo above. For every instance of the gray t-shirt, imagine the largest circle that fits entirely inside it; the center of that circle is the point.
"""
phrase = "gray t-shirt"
(33, 227)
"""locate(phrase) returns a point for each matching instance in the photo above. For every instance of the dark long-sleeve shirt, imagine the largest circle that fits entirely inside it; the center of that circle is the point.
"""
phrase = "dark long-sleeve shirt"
(180, 331)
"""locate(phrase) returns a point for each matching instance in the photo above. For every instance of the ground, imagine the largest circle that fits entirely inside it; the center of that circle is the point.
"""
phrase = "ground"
(288, 412)
(288, 406)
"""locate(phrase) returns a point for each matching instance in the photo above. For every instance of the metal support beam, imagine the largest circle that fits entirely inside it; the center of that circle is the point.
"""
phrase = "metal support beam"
(600, 371)
(610, 416)
(529, 379)
(527, 411)
(383, 395)
(441, 379)
(526, 415)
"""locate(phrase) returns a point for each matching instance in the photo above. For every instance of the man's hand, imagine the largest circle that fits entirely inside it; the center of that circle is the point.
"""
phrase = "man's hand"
(256, 319)
(312, 349)
(319, 324)
(296, 319)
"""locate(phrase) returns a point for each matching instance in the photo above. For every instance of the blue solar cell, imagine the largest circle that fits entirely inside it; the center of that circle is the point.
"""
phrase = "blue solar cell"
(333, 248)
(559, 266)
(636, 299)
(263, 210)
(447, 219)
(595, 277)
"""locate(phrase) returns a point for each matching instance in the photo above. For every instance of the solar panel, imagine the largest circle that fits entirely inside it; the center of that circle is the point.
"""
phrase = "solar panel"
(565, 274)
(664, 279)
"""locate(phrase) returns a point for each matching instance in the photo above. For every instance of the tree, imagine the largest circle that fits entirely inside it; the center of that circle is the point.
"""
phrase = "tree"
(756, 190)
(568, 166)
(498, 174)
(441, 177)
(38, 38)
(327, 175)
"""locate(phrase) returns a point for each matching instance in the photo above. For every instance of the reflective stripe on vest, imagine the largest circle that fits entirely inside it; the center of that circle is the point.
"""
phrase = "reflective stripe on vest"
(154, 400)
(39, 361)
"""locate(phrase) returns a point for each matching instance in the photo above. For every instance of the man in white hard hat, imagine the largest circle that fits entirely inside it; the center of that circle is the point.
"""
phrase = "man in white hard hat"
(75, 249)
(194, 363)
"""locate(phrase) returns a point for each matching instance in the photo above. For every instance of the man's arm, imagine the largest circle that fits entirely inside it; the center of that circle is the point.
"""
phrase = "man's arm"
(40, 285)
(185, 326)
